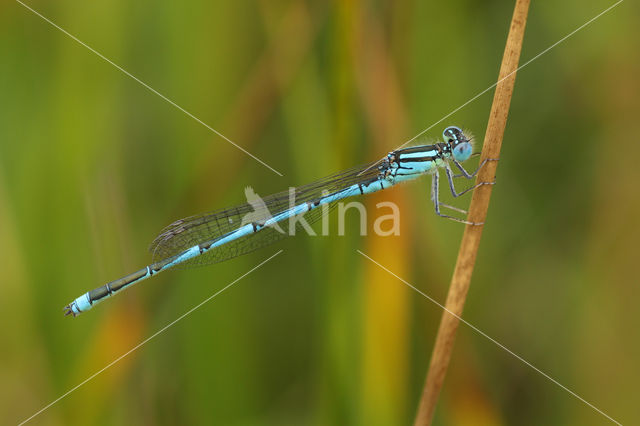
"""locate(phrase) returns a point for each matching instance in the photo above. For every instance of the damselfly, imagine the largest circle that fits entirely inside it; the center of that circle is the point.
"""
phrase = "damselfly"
(224, 234)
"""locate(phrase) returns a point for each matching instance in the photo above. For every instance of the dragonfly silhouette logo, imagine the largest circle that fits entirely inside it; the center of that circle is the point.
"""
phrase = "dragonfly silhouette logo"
(282, 213)
(260, 214)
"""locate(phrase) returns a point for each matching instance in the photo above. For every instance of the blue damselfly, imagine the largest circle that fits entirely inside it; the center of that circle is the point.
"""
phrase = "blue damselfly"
(224, 234)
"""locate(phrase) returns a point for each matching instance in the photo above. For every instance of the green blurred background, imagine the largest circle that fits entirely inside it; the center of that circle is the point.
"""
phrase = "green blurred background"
(93, 165)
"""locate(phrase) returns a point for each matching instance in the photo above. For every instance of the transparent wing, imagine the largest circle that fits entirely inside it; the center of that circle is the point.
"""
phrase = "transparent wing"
(188, 232)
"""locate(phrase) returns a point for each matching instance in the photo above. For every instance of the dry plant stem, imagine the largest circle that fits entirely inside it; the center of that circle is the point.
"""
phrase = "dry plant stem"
(477, 213)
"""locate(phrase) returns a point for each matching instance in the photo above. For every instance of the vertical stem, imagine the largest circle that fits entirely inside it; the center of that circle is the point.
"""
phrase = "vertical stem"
(477, 213)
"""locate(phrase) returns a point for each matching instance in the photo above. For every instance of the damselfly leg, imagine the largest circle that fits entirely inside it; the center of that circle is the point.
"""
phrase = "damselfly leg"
(465, 173)
(435, 177)
(452, 187)
(450, 176)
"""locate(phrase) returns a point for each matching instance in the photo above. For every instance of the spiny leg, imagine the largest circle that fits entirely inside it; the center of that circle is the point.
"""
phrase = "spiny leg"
(450, 177)
(454, 208)
(447, 205)
(468, 175)
(437, 204)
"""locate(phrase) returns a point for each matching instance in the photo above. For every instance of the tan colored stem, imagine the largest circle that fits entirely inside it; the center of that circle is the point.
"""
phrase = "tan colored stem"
(477, 213)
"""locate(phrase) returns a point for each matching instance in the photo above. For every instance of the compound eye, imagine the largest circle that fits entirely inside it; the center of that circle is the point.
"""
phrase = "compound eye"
(462, 152)
(451, 133)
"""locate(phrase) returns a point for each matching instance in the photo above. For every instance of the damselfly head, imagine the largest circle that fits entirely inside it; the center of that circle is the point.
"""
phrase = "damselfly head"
(461, 145)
